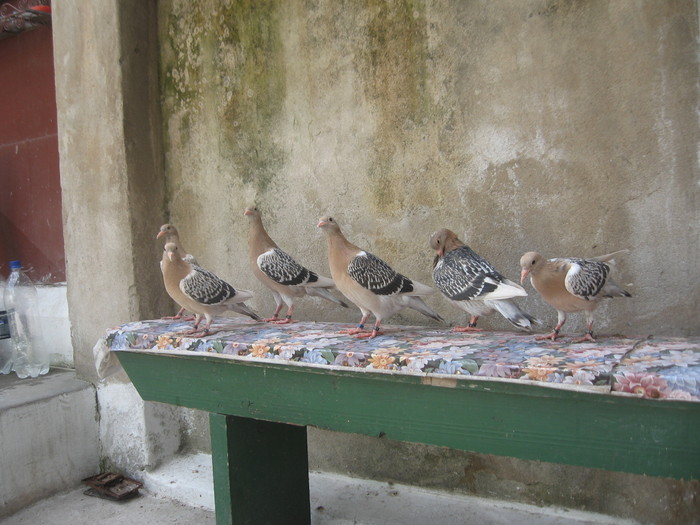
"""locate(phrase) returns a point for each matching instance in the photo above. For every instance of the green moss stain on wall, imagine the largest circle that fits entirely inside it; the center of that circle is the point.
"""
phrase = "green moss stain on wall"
(250, 58)
(222, 73)
(395, 78)
(181, 29)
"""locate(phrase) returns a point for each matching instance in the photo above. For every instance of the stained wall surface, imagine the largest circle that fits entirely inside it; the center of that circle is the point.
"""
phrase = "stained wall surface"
(560, 126)
(569, 128)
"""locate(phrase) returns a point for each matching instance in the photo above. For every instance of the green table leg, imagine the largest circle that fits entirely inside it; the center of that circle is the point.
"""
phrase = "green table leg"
(261, 472)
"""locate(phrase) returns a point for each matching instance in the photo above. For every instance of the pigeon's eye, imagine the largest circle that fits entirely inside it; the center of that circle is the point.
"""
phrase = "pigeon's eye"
(330, 219)
(534, 263)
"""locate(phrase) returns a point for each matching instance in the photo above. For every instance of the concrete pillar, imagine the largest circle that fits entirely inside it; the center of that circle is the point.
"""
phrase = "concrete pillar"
(113, 189)
(105, 56)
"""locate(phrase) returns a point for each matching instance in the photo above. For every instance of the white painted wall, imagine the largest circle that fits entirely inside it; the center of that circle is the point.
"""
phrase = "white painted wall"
(53, 312)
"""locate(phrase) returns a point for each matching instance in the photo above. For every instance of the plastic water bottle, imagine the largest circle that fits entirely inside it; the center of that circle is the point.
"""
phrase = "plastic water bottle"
(7, 350)
(22, 303)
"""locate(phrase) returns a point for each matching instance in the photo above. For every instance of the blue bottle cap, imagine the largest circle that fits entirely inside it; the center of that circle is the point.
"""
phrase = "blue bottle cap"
(15, 265)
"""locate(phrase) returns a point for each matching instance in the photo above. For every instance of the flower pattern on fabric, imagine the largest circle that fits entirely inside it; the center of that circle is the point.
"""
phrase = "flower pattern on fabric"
(656, 368)
(661, 368)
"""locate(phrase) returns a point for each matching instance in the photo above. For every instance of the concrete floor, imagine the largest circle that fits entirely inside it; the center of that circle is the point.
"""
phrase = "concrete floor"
(336, 500)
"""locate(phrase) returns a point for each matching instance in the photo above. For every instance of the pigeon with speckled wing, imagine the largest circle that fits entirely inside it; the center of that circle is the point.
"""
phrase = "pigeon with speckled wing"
(287, 279)
(572, 285)
(370, 283)
(471, 283)
(201, 291)
(172, 236)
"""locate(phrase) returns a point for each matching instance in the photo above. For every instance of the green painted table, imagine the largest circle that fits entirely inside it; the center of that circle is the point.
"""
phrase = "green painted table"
(622, 404)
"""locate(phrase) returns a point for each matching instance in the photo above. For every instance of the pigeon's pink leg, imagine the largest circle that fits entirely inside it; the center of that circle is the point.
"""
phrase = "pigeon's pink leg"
(274, 317)
(360, 328)
(561, 319)
(588, 336)
(471, 327)
(371, 335)
(179, 315)
(288, 319)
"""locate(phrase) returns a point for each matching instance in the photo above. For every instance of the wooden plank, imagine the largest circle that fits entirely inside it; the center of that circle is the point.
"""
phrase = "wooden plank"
(260, 472)
(510, 419)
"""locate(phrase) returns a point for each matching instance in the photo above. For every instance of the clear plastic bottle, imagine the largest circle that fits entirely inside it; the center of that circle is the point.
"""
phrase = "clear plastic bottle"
(7, 350)
(22, 303)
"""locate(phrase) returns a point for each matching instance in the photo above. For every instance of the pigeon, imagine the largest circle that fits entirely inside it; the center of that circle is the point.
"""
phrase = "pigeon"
(471, 283)
(287, 279)
(200, 291)
(171, 235)
(371, 283)
(571, 285)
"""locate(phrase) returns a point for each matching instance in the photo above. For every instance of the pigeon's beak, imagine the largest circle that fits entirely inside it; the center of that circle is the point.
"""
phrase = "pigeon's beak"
(247, 212)
(321, 224)
(160, 234)
(523, 275)
(171, 255)
(441, 252)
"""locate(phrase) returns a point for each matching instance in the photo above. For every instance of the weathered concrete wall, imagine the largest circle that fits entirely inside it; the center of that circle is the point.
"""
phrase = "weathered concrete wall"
(113, 204)
(48, 437)
(111, 166)
(646, 499)
(570, 128)
(566, 127)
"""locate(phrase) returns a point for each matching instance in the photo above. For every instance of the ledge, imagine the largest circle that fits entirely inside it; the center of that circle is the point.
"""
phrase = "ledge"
(15, 392)
(663, 368)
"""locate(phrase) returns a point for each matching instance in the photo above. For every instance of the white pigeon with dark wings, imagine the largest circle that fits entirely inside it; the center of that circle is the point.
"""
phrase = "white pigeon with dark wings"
(200, 291)
(571, 284)
(370, 283)
(287, 279)
(471, 283)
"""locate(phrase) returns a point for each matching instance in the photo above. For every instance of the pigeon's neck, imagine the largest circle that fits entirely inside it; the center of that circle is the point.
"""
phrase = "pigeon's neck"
(338, 242)
(547, 276)
(177, 266)
(259, 236)
(453, 244)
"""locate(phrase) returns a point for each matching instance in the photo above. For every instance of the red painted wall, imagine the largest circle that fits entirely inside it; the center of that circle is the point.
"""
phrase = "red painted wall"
(31, 227)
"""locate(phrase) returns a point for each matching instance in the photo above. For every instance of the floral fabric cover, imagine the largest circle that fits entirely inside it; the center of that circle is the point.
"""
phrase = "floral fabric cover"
(650, 367)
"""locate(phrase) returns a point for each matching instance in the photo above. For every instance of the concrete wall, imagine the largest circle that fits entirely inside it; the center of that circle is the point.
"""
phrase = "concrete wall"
(566, 127)
(113, 204)
(111, 174)
(48, 437)
(570, 128)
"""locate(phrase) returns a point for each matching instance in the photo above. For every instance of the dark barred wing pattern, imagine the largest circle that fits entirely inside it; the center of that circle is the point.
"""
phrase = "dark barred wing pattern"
(586, 277)
(281, 268)
(206, 288)
(377, 276)
(461, 275)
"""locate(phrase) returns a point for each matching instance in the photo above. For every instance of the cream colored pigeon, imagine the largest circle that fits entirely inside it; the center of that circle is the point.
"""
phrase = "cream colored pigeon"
(200, 291)
(571, 285)
(172, 236)
(370, 283)
(287, 279)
